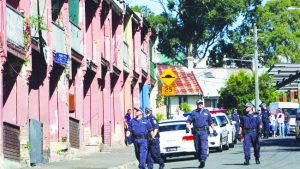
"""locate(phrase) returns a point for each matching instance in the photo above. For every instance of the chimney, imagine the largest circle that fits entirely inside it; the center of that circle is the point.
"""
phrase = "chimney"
(190, 62)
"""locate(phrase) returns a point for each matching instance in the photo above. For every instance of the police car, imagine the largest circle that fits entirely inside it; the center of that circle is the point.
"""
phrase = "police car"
(220, 141)
(174, 141)
(223, 119)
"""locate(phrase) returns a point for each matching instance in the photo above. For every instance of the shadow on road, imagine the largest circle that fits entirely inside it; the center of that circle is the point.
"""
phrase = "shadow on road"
(184, 167)
(179, 159)
(282, 142)
(234, 164)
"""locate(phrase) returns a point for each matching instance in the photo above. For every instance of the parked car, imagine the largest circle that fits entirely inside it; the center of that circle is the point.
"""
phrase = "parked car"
(220, 141)
(223, 118)
(298, 125)
(174, 141)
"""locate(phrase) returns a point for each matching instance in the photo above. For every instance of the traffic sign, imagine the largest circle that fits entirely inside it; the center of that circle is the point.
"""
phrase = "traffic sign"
(168, 77)
(253, 102)
(168, 90)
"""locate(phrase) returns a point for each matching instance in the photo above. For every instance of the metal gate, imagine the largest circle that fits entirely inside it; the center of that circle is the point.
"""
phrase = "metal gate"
(11, 141)
(36, 141)
(74, 132)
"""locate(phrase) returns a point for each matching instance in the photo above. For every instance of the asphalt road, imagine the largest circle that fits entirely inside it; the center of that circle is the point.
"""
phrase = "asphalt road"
(276, 153)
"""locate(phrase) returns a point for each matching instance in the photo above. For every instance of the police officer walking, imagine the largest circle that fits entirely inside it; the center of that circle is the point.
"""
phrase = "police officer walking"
(236, 118)
(201, 120)
(265, 114)
(140, 128)
(154, 147)
(251, 128)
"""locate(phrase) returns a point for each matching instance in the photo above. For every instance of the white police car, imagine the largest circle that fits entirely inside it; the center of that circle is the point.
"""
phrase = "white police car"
(220, 141)
(174, 141)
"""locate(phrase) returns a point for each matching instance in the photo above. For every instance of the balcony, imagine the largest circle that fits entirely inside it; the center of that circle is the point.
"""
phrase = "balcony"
(76, 40)
(58, 42)
(15, 27)
(126, 55)
(144, 61)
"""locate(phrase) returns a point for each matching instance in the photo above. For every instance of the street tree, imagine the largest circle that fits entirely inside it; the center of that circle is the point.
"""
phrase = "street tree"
(278, 35)
(239, 89)
(193, 26)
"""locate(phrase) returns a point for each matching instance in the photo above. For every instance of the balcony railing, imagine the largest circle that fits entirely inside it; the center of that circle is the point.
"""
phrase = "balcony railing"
(15, 26)
(144, 61)
(58, 36)
(76, 40)
(126, 55)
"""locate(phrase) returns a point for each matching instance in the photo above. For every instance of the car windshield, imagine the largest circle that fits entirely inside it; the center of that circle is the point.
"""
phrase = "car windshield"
(291, 111)
(214, 121)
(222, 119)
(172, 127)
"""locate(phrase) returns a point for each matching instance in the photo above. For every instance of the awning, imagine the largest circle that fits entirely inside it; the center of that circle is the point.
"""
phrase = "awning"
(286, 76)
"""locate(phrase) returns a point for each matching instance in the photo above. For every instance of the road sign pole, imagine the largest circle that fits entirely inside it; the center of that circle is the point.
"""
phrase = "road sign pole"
(256, 67)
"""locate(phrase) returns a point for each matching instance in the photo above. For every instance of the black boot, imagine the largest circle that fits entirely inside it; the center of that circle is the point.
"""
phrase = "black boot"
(257, 161)
(161, 166)
(247, 162)
(202, 164)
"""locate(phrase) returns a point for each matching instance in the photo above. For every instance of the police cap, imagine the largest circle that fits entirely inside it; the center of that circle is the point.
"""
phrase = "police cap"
(262, 105)
(248, 105)
(148, 109)
(200, 101)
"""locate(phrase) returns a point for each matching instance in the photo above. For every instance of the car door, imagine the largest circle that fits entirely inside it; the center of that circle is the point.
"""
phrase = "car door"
(224, 130)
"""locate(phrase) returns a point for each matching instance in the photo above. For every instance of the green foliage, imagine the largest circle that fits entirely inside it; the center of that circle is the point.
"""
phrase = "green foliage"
(239, 90)
(37, 23)
(160, 100)
(278, 35)
(192, 26)
(160, 117)
(186, 107)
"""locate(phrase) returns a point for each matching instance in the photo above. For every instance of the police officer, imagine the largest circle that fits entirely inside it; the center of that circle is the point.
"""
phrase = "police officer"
(154, 147)
(265, 114)
(251, 126)
(140, 128)
(201, 120)
(236, 118)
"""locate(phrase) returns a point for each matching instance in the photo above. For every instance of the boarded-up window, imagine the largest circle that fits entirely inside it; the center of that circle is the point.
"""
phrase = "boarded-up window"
(71, 103)
(74, 11)
(11, 141)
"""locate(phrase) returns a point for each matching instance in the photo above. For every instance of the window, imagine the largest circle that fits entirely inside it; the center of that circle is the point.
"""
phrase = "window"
(222, 120)
(214, 121)
(182, 99)
(74, 11)
(172, 127)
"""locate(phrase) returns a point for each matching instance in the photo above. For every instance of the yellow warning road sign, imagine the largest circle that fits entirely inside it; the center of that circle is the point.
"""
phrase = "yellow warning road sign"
(168, 77)
(168, 90)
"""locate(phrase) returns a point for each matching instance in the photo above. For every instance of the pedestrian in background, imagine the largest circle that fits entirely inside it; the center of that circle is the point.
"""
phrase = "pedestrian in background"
(272, 124)
(154, 144)
(287, 118)
(178, 113)
(140, 128)
(201, 120)
(265, 115)
(127, 119)
(251, 127)
(280, 122)
(236, 118)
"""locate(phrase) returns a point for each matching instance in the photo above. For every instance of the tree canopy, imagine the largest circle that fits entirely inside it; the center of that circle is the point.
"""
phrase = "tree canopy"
(239, 89)
(278, 35)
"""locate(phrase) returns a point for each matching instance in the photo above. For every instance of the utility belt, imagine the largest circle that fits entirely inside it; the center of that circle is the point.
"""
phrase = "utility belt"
(246, 131)
(197, 129)
(141, 137)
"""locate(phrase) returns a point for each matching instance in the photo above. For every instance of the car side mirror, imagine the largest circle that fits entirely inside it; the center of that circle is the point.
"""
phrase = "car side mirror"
(223, 125)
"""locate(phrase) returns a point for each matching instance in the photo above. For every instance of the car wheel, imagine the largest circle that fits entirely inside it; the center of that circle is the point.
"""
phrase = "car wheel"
(164, 157)
(231, 145)
(220, 148)
(226, 146)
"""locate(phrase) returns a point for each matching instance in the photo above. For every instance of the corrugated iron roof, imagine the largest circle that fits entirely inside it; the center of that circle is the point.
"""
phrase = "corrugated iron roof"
(186, 83)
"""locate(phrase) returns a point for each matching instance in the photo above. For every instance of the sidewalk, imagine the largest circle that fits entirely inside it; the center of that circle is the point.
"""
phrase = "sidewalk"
(114, 159)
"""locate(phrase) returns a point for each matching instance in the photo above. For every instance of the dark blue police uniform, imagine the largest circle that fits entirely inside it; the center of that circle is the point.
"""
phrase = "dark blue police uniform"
(154, 146)
(201, 120)
(140, 130)
(236, 117)
(250, 124)
(266, 122)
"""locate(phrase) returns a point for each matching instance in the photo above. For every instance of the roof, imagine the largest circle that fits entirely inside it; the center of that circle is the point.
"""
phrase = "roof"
(286, 76)
(212, 80)
(186, 82)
